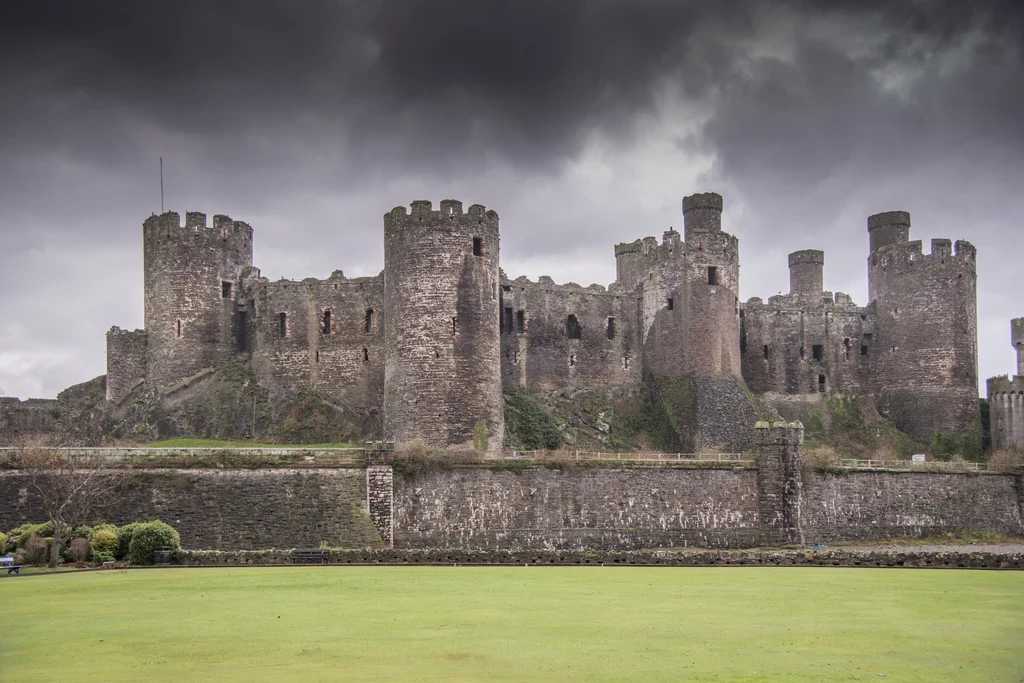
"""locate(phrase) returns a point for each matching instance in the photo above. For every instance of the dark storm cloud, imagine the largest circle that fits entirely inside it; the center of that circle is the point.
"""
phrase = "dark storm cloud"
(310, 119)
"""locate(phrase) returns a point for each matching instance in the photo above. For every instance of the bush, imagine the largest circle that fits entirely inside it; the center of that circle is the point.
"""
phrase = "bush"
(3, 542)
(104, 541)
(149, 535)
(30, 530)
(100, 556)
(124, 538)
(35, 550)
(528, 424)
(79, 549)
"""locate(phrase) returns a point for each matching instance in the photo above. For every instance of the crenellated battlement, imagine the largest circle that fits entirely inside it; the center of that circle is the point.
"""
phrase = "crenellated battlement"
(943, 251)
(421, 211)
(195, 222)
(1004, 384)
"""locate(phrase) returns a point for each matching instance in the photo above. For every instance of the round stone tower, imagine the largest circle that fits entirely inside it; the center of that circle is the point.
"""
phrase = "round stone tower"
(924, 348)
(442, 367)
(191, 280)
(806, 277)
(712, 288)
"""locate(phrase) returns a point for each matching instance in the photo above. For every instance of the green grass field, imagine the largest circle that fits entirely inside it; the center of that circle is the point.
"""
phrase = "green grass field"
(514, 624)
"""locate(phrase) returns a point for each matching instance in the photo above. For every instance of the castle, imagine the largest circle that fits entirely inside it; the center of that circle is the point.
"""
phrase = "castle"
(430, 341)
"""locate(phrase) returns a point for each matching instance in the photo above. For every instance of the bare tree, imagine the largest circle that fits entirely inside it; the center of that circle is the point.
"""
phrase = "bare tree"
(71, 486)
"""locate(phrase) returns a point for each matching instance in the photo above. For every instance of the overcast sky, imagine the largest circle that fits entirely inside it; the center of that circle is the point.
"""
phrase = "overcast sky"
(581, 122)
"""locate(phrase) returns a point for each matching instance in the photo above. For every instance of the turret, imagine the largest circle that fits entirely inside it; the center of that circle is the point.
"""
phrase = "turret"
(442, 377)
(1017, 339)
(888, 228)
(702, 213)
(191, 277)
(805, 273)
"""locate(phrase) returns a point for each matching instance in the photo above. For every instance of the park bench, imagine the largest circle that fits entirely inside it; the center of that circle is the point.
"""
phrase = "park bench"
(310, 556)
(12, 568)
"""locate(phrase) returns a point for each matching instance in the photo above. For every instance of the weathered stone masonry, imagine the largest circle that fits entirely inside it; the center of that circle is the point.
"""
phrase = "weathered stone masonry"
(426, 345)
(1006, 398)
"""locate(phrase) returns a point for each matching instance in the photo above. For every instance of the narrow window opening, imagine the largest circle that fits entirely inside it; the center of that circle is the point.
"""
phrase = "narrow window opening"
(818, 351)
(282, 324)
(327, 322)
(671, 303)
(803, 355)
(766, 352)
(864, 349)
(610, 328)
(521, 322)
(478, 246)
(366, 355)
(368, 321)
(506, 321)
(515, 357)
(712, 275)
(846, 347)
(316, 358)
(455, 325)
(177, 329)
(821, 383)
(225, 290)
(572, 360)
(573, 329)
(625, 362)
(243, 332)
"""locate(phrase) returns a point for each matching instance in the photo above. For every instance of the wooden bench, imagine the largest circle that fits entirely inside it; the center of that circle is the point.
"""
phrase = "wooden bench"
(310, 556)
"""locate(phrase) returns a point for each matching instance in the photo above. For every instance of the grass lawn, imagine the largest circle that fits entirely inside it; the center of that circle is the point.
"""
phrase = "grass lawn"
(514, 624)
(218, 443)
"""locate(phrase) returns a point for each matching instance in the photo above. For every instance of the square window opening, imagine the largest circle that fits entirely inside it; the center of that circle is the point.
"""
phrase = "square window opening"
(818, 351)
(225, 290)
(478, 246)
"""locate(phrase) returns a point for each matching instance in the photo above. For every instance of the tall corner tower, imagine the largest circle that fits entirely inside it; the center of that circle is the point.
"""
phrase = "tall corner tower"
(925, 351)
(712, 288)
(442, 367)
(191, 275)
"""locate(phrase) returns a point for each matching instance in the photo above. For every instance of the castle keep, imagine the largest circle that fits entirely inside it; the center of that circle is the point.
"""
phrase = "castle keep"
(429, 342)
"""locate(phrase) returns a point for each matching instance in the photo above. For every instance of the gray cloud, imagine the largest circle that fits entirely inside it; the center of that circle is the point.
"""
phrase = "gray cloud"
(582, 122)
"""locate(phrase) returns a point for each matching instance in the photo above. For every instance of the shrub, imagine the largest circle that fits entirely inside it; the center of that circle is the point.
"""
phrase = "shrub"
(104, 541)
(149, 535)
(1006, 460)
(35, 550)
(99, 556)
(527, 423)
(3, 542)
(30, 530)
(79, 549)
(124, 538)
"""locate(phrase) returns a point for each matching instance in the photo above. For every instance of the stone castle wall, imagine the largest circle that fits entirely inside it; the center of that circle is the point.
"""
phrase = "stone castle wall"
(229, 509)
(555, 336)
(126, 362)
(326, 335)
(1006, 411)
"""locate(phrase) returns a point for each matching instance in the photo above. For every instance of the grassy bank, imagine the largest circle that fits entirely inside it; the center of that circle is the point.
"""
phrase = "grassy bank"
(528, 623)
